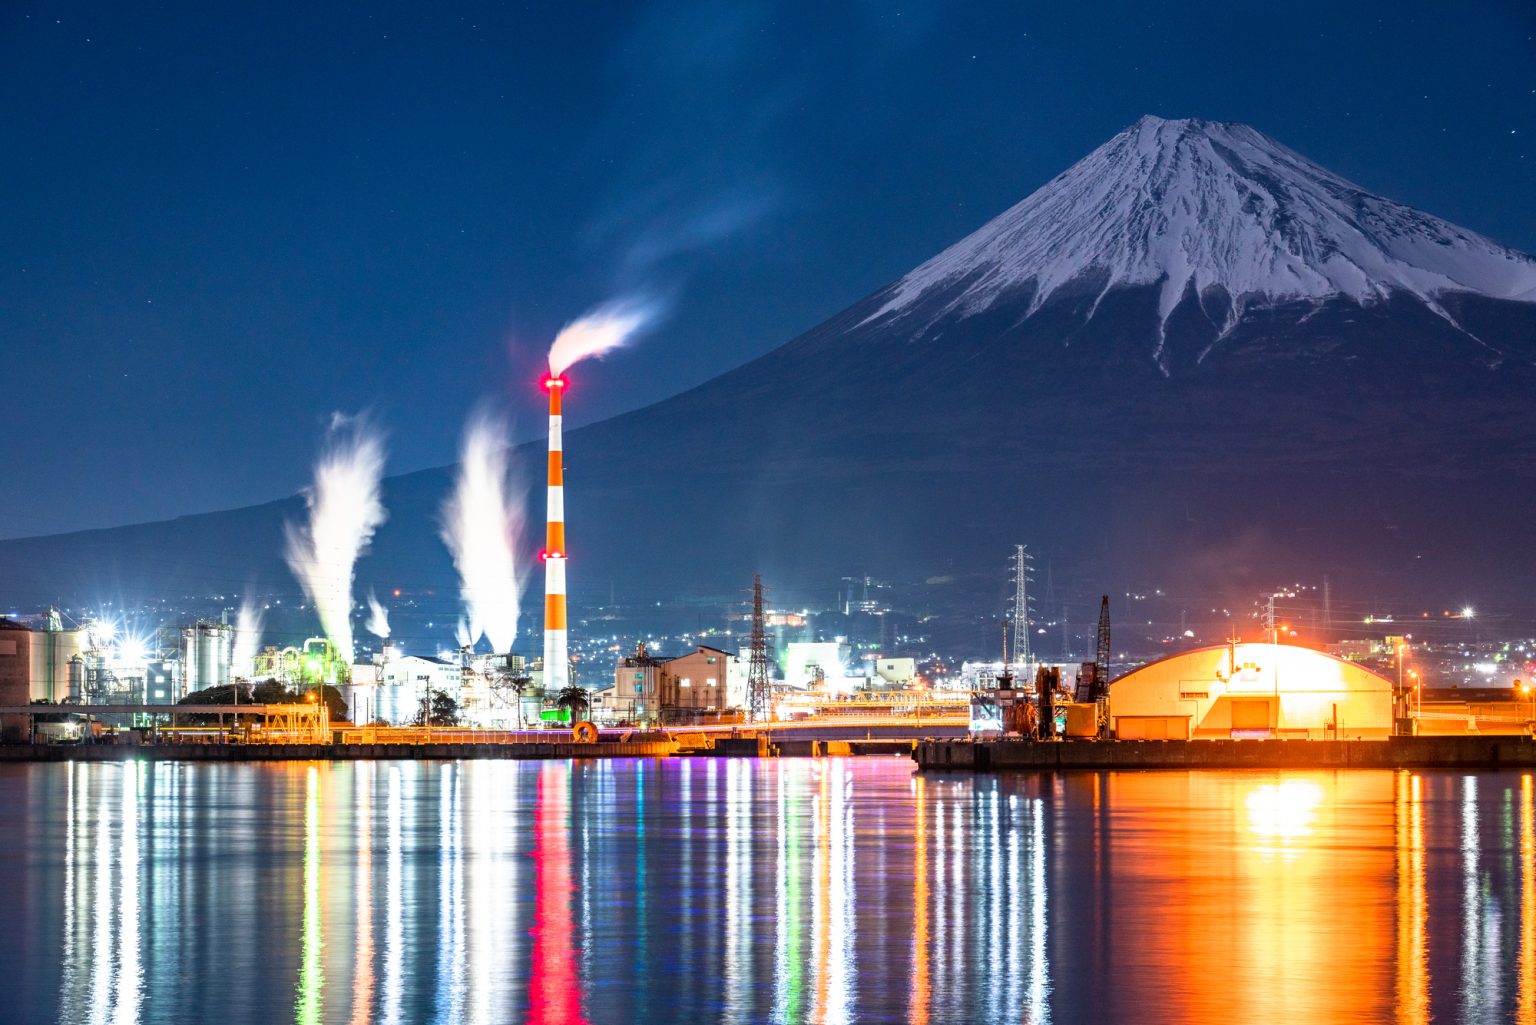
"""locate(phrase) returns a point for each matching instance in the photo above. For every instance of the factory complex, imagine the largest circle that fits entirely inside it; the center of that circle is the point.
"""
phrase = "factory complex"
(44, 662)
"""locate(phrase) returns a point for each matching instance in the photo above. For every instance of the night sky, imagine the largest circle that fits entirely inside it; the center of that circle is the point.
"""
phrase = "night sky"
(223, 222)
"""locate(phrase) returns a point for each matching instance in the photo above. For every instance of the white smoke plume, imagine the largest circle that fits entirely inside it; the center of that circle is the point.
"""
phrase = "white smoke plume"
(344, 510)
(247, 641)
(378, 617)
(598, 331)
(482, 526)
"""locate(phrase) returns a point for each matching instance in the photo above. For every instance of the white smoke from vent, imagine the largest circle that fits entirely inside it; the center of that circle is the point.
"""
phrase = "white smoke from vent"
(247, 641)
(344, 510)
(599, 331)
(482, 527)
(378, 617)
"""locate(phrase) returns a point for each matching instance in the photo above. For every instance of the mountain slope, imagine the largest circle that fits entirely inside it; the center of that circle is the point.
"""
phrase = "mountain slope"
(1219, 211)
(1194, 360)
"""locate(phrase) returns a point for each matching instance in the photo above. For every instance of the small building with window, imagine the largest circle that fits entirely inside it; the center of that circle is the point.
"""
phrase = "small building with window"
(649, 688)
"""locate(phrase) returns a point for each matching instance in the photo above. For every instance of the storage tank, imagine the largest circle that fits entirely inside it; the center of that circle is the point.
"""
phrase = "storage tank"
(52, 651)
(77, 679)
(207, 649)
(208, 657)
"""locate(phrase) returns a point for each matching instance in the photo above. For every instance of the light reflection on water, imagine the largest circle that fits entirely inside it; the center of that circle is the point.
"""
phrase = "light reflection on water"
(779, 890)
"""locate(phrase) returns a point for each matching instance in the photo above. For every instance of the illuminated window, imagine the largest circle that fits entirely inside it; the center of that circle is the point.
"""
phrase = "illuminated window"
(685, 682)
(711, 660)
(710, 681)
(639, 688)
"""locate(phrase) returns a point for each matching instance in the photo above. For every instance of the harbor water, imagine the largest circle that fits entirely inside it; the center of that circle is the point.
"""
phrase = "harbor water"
(761, 890)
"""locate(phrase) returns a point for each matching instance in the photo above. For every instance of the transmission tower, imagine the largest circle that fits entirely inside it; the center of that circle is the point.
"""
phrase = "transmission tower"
(759, 696)
(1019, 604)
(1271, 631)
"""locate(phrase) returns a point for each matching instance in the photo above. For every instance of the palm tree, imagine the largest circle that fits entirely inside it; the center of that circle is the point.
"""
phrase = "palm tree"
(574, 700)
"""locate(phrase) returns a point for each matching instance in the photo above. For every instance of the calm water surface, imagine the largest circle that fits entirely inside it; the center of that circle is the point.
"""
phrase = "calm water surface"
(698, 890)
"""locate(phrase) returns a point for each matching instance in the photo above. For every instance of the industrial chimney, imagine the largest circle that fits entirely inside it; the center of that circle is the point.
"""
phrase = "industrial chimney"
(556, 660)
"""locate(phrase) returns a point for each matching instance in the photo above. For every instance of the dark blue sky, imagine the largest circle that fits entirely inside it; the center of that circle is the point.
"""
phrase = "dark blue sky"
(221, 222)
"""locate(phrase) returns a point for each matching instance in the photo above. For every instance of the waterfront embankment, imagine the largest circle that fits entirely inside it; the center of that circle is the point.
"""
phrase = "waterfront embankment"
(329, 752)
(1395, 753)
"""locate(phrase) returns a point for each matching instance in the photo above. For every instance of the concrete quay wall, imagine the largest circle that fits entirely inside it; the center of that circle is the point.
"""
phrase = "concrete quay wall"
(1459, 752)
(326, 752)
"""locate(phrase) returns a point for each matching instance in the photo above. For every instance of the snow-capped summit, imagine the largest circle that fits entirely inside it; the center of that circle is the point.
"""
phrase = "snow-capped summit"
(1196, 206)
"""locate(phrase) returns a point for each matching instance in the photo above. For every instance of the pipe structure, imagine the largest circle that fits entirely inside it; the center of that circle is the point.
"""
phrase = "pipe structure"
(556, 639)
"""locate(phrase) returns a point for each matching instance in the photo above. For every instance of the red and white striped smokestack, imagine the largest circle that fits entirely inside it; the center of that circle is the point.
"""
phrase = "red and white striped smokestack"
(556, 657)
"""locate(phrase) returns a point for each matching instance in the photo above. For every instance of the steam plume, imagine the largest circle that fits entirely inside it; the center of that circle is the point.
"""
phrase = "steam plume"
(596, 332)
(378, 617)
(247, 641)
(344, 510)
(481, 526)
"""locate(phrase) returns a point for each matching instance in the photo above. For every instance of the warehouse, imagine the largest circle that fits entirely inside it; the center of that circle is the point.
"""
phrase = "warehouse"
(1251, 691)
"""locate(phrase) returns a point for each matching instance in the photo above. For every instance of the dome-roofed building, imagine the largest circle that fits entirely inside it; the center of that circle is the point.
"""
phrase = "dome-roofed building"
(1251, 690)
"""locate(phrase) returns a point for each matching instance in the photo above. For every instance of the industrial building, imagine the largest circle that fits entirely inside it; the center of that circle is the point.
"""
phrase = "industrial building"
(492, 691)
(817, 665)
(648, 687)
(15, 659)
(896, 672)
(1252, 690)
(403, 684)
(91, 664)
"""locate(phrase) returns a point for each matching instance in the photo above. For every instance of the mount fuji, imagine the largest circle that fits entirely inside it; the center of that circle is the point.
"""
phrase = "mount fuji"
(1215, 215)
(1194, 360)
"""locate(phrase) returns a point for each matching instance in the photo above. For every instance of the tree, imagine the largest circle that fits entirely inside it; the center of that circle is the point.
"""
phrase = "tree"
(439, 709)
(234, 694)
(574, 700)
(264, 692)
(271, 692)
(334, 702)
